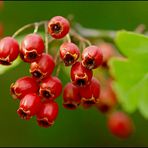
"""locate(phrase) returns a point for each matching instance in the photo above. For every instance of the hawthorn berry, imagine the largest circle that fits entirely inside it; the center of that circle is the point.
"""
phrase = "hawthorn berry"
(71, 96)
(23, 86)
(107, 100)
(29, 106)
(47, 113)
(32, 47)
(80, 75)
(58, 27)
(69, 53)
(9, 50)
(50, 88)
(120, 125)
(92, 57)
(42, 67)
(108, 51)
(90, 94)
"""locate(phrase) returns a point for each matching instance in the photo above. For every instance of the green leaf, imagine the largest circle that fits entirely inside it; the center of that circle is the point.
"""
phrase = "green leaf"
(131, 73)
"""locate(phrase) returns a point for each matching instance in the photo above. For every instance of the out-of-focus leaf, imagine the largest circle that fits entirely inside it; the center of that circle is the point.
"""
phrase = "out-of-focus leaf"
(131, 73)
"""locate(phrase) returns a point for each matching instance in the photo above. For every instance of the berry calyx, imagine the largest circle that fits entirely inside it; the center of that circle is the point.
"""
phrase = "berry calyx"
(47, 114)
(42, 67)
(120, 125)
(80, 75)
(32, 48)
(23, 86)
(90, 94)
(92, 57)
(9, 50)
(29, 106)
(50, 88)
(58, 27)
(69, 53)
(71, 96)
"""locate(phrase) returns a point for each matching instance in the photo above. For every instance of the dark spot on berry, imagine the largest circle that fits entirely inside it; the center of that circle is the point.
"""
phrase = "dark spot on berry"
(23, 114)
(69, 106)
(56, 28)
(89, 63)
(89, 102)
(46, 94)
(68, 60)
(3, 62)
(104, 108)
(81, 82)
(32, 55)
(44, 123)
(36, 74)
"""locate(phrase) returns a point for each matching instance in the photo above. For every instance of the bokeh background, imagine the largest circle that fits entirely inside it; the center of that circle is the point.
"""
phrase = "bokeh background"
(72, 128)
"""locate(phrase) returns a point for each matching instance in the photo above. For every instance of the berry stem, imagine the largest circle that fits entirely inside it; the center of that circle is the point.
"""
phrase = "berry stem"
(35, 25)
(95, 33)
(68, 38)
(79, 37)
(46, 37)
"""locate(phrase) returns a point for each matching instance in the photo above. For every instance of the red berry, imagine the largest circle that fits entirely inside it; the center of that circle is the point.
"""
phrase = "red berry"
(108, 52)
(71, 96)
(107, 100)
(69, 53)
(80, 75)
(23, 86)
(120, 125)
(9, 50)
(58, 27)
(42, 67)
(92, 57)
(50, 88)
(90, 94)
(29, 106)
(47, 114)
(32, 47)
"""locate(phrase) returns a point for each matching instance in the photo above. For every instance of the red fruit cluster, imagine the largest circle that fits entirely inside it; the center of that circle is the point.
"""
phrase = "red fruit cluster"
(84, 89)
(37, 93)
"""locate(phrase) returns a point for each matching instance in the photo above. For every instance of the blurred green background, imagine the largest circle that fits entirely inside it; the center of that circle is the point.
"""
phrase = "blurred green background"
(72, 128)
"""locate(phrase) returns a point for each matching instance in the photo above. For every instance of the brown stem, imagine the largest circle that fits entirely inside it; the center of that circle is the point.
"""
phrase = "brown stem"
(79, 37)
(46, 37)
(35, 25)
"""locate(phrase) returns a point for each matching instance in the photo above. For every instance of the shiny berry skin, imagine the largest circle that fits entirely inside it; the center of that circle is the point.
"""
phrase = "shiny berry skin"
(58, 27)
(42, 67)
(120, 124)
(80, 76)
(9, 50)
(29, 106)
(71, 96)
(69, 53)
(90, 94)
(47, 114)
(50, 88)
(92, 57)
(107, 99)
(23, 86)
(32, 47)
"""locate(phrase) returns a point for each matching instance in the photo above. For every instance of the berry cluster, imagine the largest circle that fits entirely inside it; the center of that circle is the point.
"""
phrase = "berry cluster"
(37, 93)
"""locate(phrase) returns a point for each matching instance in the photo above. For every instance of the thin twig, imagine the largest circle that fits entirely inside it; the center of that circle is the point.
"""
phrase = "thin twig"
(46, 37)
(79, 37)
(35, 25)
(68, 38)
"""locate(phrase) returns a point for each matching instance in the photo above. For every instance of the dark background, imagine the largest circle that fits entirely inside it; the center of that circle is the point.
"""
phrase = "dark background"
(72, 128)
